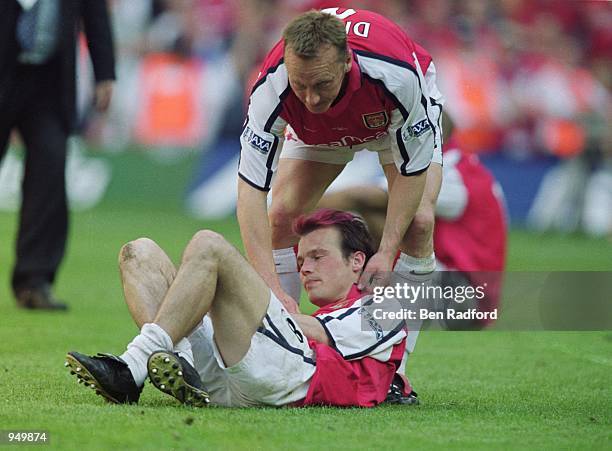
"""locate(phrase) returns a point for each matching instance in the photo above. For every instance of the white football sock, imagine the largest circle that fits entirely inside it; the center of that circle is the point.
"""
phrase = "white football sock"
(415, 269)
(418, 271)
(411, 340)
(183, 348)
(150, 339)
(287, 270)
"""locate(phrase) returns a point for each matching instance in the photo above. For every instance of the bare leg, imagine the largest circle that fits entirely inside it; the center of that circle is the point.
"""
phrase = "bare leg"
(214, 278)
(418, 241)
(146, 274)
(417, 246)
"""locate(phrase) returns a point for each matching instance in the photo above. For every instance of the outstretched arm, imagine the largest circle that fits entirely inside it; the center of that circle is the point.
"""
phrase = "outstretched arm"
(252, 212)
(404, 198)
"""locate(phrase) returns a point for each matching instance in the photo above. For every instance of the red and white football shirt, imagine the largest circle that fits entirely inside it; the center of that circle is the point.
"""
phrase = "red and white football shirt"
(474, 238)
(357, 367)
(390, 90)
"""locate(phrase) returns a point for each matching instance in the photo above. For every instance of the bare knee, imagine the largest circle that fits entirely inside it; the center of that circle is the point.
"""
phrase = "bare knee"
(422, 226)
(281, 219)
(136, 251)
(205, 245)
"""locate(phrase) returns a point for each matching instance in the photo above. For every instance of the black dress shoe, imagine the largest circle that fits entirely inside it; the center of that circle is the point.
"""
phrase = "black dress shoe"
(39, 298)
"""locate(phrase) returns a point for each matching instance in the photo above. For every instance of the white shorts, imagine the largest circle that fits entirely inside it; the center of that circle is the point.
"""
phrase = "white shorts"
(363, 170)
(296, 149)
(276, 369)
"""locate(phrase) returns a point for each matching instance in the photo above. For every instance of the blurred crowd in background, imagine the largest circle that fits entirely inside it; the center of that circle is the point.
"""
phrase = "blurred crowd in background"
(520, 77)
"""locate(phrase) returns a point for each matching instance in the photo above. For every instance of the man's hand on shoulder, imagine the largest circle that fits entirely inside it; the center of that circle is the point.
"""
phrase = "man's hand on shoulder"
(376, 272)
(288, 302)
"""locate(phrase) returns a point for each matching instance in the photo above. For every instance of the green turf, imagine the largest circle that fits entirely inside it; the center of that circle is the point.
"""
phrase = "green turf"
(479, 390)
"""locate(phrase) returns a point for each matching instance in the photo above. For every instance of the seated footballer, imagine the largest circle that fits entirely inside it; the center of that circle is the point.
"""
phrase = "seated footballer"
(213, 332)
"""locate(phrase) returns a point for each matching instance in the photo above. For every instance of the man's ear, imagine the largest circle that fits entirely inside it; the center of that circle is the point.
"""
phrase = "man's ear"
(349, 61)
(358, 261)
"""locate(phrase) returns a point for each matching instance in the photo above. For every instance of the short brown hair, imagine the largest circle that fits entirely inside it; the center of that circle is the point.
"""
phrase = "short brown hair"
(352, 228)
(308, 32)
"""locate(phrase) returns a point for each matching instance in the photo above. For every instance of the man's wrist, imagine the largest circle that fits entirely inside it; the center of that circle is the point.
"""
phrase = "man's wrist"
(275, 285)
(387, 252)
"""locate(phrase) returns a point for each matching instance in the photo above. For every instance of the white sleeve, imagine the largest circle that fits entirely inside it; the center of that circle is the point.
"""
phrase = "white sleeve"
(416, 128)
(453, 197)
(262, 137)
(354, 333)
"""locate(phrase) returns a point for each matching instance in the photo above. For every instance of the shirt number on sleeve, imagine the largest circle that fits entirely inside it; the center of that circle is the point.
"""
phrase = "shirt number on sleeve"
(294, 329)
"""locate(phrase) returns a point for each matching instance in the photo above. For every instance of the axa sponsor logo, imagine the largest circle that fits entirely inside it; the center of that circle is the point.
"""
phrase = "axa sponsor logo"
(416, 130)
(258, 143)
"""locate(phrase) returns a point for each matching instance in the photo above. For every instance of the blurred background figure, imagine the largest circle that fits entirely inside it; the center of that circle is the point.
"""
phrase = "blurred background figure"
(569, 111)
(38, 98)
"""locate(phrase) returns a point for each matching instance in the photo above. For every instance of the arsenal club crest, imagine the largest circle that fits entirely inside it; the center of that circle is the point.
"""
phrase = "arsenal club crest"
(376, 120)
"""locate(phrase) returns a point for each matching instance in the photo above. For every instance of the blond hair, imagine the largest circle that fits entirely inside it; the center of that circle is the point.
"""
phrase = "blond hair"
(307, 33)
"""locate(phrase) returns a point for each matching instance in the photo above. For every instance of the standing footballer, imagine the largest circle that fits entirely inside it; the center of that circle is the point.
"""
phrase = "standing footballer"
(339, 81)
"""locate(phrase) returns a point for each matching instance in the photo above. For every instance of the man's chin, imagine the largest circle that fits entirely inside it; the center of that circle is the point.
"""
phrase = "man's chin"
(314, 297)
(319, 110)
(317, 299)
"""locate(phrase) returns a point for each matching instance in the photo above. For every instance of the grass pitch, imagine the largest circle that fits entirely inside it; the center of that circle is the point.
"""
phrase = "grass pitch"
(478, 389)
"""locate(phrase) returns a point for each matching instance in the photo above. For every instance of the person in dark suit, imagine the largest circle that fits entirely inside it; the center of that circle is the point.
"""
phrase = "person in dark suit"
(38, 41)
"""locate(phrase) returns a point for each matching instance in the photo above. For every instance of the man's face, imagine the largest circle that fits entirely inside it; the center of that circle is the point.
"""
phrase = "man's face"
(325, 274)
(317, 81)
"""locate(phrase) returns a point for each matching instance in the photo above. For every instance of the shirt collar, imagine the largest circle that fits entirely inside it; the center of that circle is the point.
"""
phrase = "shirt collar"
(348, 300)
(354, 293)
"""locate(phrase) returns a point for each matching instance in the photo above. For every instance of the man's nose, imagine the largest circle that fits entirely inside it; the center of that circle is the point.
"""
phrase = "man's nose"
(306, 267)
(312, 98)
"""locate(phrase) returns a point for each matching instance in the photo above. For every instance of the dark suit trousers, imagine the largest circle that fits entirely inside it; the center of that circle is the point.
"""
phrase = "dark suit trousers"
(32, 108)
